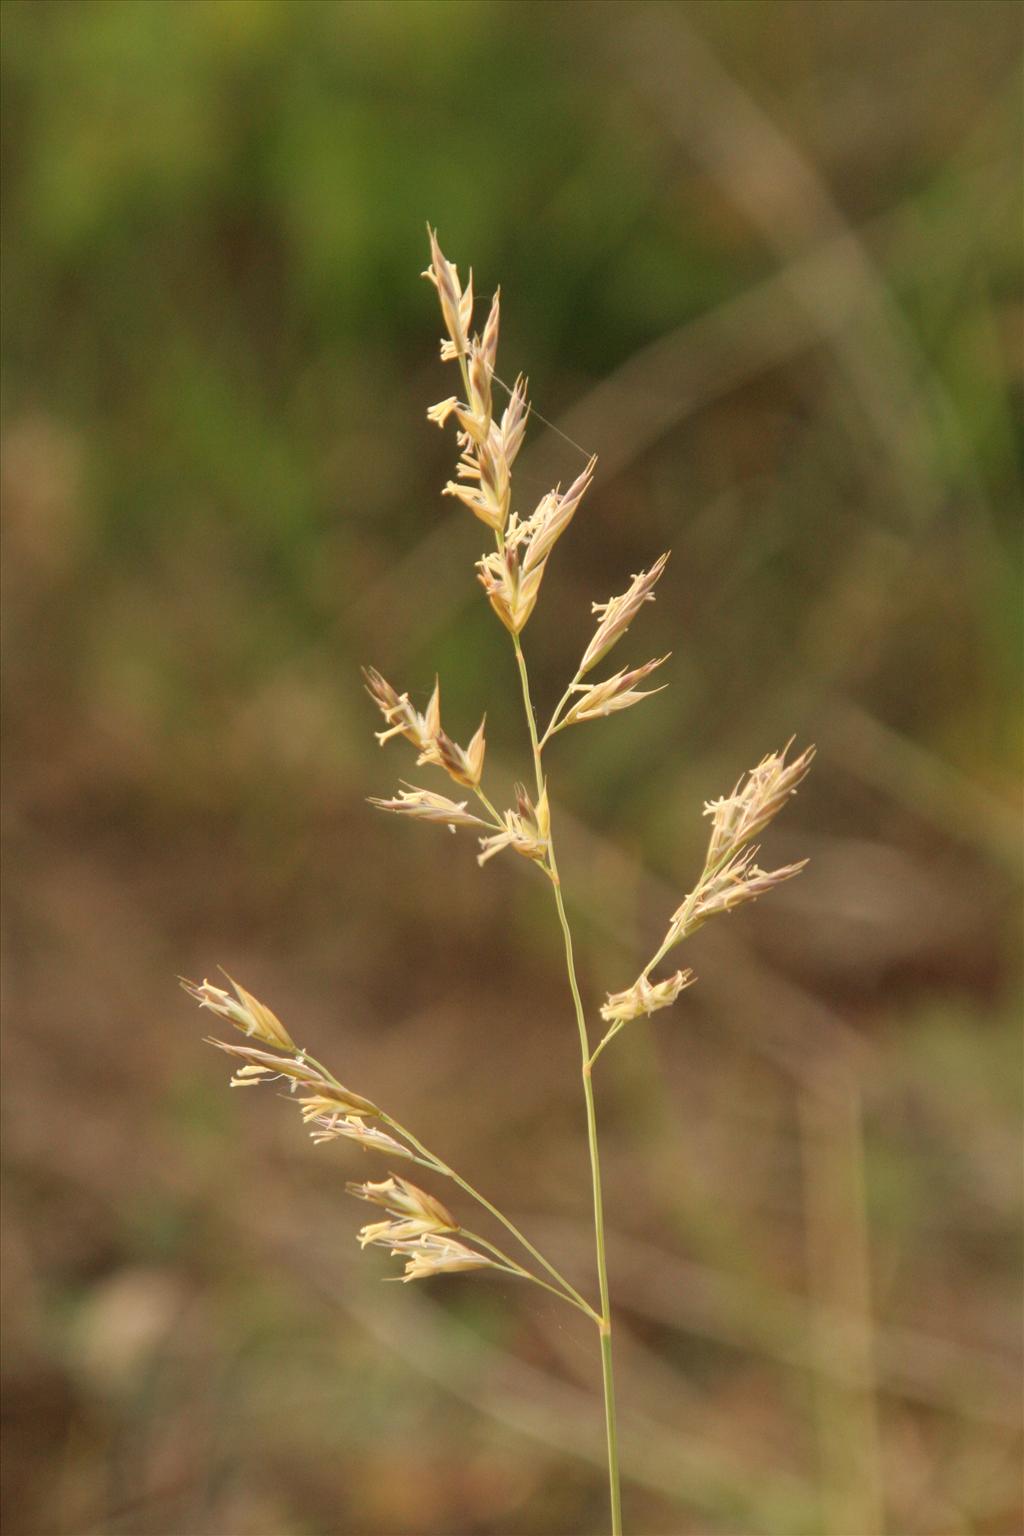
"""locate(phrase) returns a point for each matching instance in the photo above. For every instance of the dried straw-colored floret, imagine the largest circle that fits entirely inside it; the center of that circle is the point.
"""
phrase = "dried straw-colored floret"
(326, 1123)
(402, 719)
(263, 1067)
(456, 305)
(432, 1255)
(755, 801)
(596, 700)
(618, 613)
(463, 764)
(645, 997)
(525, 830)
(243, 1010)
(738, 881)
(424, 805)
(413, 1213)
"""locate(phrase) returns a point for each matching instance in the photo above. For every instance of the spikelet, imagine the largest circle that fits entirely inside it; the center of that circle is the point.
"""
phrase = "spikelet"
(595, 700)
(456, 305)
(618, 613)
(424, 805)
(739, 817)
(513, 422)
(326, 1123)
(464, 764)
(488, 496)
(262, 1066)
(511, 576)
(413, 1212)
(402, 719)
(738, 881)
(434, 1255)
(645, 997)
(243, 1010)
(526, 829)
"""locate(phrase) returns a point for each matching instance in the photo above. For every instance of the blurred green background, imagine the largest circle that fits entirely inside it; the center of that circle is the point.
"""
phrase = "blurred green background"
(763, 259)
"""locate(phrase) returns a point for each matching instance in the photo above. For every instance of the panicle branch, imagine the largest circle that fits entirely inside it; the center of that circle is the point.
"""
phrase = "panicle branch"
(730, 877)
(511, 574)
(418, 1223)
(730, 886)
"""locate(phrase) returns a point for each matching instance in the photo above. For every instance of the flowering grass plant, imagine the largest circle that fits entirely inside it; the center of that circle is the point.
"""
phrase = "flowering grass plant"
(414, 1225)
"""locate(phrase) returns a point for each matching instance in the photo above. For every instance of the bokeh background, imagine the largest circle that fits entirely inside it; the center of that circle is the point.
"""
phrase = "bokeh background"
(762, 258)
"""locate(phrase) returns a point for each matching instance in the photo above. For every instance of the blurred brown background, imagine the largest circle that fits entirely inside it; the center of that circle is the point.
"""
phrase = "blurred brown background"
(762, 258)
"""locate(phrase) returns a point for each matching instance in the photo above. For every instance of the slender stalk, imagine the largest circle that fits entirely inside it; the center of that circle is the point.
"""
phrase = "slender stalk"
(517, 1269)
(604, 1322)
(555, 724)
(494, 815)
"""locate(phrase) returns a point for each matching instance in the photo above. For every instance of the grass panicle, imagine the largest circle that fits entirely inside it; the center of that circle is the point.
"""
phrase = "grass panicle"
(417, 1228)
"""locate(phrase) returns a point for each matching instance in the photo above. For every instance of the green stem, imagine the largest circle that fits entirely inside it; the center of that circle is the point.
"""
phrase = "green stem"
(608, 1038)
(604, 1323)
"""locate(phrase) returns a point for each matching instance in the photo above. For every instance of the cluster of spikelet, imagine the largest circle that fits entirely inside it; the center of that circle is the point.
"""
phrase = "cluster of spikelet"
(418, 1227)
(511, 575)
(729, 878)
